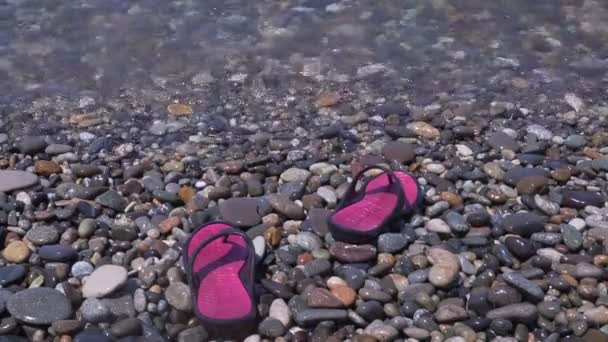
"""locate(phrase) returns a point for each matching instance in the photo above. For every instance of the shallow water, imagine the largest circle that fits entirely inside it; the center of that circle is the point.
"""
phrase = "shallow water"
(102, 49)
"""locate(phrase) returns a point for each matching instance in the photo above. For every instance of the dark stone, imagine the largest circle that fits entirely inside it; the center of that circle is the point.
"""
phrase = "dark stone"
(241, 212)
(31, 145)
(581, 199)
(528, 288)
(399, 151)
(370, 310)
(502, 295)
(514, 175)
(113, 200)
(522, 248)
(60, 253)
(352, 253)
(523, 224)
(12, 274)
(271, 327)
(39, 306)
(501, 140)
(316, 221)
(92, 335)
(308, 317)
(126, 327)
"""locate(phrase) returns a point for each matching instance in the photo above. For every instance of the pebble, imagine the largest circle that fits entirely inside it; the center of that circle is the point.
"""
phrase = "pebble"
(193, 334)
(392, 242)
(352, 253)
(104, 280)
(41, 306)
(11, 274)
(524, 312)
(323, 298)
(308, 317)
(42, 235)
(345, 294)
(126, 327)
(528, 288)
(271, 327)
(308, 241)
(241, 212)
(449, 313)
(81, 269)
(47, 168)
(59, 253)
(16, 252)
(113, 200)
(11, 180)
(445, 267)
(179, 296)
(280, 311)
(424, 130)
(581, 199)
(523, 224)
(283, 205)
(503, 141)
(94, 310)
(399, 151)
(295, 175)
(541, 132)
(381, 331)
(438, 226)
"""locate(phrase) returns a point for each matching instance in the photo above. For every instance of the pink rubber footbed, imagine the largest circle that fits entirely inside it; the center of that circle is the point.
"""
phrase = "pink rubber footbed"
(377, 204)
(221, 293)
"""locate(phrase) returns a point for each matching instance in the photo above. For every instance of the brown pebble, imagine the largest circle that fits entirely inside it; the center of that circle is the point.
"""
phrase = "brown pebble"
(570, 280)
(272, 220)
(328, 99)
(304, 258)
(386, 259)
(532, 185)
(600, 260)
(272, 235)
(561, 175)
(16, 252)
(179, 109)
(168, 224)
(156, 289)
(519, 83)
(84, 119)
(186, 194)
(453, 199)
(47, 167)
(556, 219)
(345, 294)
(592, 153)
(568, 213)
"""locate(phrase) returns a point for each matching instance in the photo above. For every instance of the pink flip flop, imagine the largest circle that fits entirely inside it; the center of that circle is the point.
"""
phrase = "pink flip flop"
(220, 263)
(363, 215)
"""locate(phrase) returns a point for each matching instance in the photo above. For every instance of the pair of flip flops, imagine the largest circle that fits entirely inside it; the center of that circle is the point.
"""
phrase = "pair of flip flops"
(220, 259)
(364, 214)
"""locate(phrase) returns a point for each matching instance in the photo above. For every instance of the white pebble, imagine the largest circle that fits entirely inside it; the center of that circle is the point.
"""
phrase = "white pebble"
(464, 150)
(578, 223)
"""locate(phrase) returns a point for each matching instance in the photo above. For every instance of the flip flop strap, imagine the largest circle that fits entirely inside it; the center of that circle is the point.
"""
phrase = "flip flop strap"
(392, 179)
(225, 234)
